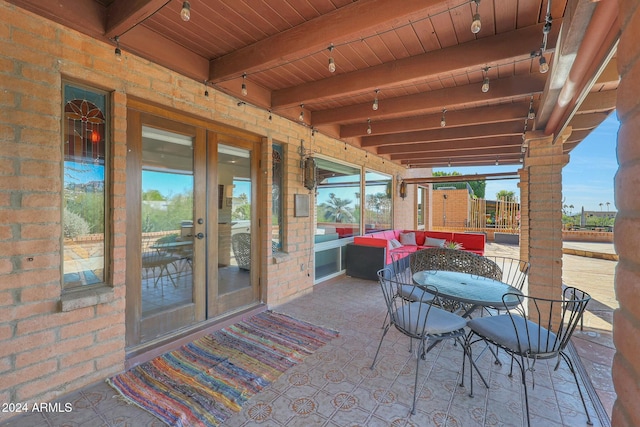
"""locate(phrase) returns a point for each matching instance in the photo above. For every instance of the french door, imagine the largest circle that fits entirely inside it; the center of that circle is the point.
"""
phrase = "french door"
(191, 233)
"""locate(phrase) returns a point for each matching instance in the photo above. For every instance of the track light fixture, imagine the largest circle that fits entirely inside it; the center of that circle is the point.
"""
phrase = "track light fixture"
(332, 63)
(485, 81)
(117, 52)
(369, 127)
(185, 12)
(443, 120)
(301, 116)
(532, 114)
(244, 85)
(375, 101)
(476, 25)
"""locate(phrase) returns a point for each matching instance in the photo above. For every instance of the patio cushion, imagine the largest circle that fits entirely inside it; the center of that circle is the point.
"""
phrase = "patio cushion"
(430, 241)
(411, 318)
(408, 238)
(500, 330)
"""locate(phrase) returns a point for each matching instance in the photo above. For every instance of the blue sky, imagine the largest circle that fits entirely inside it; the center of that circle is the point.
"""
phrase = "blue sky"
(587, 180)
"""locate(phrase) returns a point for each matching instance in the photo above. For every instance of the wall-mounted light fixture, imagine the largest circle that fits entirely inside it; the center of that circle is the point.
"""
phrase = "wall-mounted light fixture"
(117, 52)
(403, 189)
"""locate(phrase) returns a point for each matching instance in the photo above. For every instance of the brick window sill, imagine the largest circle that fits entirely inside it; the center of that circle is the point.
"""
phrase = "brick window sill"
(76, 299)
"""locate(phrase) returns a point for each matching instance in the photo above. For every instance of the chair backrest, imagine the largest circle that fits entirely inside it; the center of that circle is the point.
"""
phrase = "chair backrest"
(551, 322)
(241, 245)
(514, 271)
(454, 260)
(409, 317)
(400, 265)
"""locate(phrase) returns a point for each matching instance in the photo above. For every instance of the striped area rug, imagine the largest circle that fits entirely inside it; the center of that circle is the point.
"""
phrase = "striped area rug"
(206, 381)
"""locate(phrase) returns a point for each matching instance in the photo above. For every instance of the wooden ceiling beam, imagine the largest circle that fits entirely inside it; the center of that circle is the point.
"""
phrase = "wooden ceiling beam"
(122, 15)
(587, 121)
(463, 161)
(466, 117)
(467, 56)
(480, 142)
(501, 89)
(445, 134)
(453, 154)
(161, 50)
(85, 16)
(314, 35)
(599, 102)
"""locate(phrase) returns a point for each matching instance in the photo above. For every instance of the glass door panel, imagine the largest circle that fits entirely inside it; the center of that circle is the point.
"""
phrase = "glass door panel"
(167, 220)
(237, 237)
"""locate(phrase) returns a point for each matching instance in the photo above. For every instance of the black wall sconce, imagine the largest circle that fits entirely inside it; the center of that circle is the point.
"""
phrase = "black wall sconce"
(403, 190)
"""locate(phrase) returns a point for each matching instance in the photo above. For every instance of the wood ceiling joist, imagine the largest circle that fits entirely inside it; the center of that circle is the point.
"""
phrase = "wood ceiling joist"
(314, 35)
(406, 151)
(85, 16)
(122, 15)
(599, 102)
(462, 178)
(463, 161)
(445, 134)
(491, 114)
(454, 154)
(475, 54)
(587, 121)
(479, 142)
(501, 89)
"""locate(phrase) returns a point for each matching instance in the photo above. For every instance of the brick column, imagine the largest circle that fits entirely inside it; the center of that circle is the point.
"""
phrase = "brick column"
(626, 321)
(544, 163)
(524, 213)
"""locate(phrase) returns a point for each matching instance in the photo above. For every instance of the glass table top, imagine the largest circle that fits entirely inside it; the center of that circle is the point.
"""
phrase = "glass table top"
(468, 288)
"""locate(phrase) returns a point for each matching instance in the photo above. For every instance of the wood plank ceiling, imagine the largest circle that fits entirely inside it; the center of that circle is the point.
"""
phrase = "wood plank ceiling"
(417, 57)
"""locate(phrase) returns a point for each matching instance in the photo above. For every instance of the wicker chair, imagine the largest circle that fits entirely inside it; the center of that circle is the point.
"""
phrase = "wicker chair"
(241, 245)
(454, 260)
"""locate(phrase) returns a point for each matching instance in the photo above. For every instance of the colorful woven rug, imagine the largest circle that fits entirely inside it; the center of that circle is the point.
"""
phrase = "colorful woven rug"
(206, 381)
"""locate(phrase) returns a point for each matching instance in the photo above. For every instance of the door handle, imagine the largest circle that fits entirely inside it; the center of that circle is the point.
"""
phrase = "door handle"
(200, 236)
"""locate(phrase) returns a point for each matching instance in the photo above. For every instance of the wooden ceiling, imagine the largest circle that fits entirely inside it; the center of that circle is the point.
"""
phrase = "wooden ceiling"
(419, 55)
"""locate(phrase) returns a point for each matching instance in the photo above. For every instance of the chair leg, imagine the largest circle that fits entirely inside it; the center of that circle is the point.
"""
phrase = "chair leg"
(386, 329)
(524, 385)
(415, 384)
(575, 378)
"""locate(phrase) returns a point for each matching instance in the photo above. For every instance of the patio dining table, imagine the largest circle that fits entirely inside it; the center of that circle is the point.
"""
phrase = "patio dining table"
(469, 289)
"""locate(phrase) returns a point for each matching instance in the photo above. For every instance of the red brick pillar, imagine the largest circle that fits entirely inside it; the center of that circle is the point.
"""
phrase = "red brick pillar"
(626, 321)
(524, 213)
(544, 163)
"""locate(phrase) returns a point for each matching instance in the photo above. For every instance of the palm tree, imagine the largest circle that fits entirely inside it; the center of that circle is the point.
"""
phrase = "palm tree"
(338, 209)
(607, 206)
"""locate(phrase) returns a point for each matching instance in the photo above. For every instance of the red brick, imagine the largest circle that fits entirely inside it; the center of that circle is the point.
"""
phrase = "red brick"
(21, 376)
(89, 326)
(91, 353)
(78, 316)
(53, 381)
(39, 293)
(26, 343)
(61, 347)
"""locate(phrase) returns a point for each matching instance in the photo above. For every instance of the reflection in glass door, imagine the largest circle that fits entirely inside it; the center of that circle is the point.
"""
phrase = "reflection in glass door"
(235, 238)
(167, 220)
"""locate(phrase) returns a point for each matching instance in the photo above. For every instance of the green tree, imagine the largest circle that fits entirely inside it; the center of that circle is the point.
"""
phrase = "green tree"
(152, 195)
(337, 209)
(506, 195)
(478, 187)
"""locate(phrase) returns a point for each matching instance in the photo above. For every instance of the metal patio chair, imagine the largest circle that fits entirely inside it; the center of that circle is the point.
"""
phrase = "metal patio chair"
(417, 320)
(537, 329)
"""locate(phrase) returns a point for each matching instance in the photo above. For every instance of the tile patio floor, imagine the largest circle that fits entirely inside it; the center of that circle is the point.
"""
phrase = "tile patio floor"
(335, 387)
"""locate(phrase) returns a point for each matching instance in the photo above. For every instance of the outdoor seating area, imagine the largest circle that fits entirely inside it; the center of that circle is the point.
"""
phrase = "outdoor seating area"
(336, 385)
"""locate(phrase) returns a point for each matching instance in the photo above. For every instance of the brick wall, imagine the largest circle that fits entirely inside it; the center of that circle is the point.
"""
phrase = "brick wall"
(456, 207)
(626, 322)
(44, 351)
